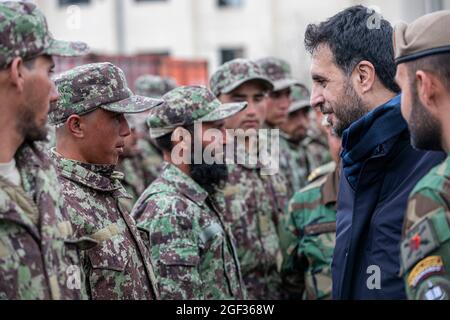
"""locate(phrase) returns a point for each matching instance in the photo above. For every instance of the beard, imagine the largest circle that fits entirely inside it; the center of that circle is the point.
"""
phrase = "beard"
(348, 109)
(426, 131)
(28, 128)
(211, 177)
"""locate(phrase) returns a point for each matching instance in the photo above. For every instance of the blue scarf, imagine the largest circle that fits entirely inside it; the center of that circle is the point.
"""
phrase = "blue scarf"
(365, 137)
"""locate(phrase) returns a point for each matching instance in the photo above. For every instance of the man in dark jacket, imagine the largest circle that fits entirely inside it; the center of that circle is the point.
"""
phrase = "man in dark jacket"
(353, 73)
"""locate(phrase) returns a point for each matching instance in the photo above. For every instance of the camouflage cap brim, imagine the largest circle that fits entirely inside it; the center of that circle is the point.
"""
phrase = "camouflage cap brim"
(66, 48)
(225, 111)
(285, 83)
(133, 104)
(237, 84)
(299, 105)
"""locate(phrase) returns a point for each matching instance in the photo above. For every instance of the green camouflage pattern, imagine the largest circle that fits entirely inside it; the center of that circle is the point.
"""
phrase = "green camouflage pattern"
(300, 97)
(39, 253)
(191, 247)
(298, 160)
(152, 160)
(185, 105)
(24, 33)
(133, 180)
(279, 72)
(119, 267)
(97, 85)
(153, 86)
(308, 237)
(139, 170)
(425, 249)
(318, 144)
(254, 206)
(234, 73)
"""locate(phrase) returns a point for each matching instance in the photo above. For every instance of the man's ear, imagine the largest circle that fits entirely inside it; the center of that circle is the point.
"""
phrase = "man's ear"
(16, 71)
(363, 77)
(430, 90)
(76, 126)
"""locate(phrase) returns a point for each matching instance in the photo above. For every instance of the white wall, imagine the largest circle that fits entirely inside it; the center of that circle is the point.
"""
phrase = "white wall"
(97, 24)
(197, 29)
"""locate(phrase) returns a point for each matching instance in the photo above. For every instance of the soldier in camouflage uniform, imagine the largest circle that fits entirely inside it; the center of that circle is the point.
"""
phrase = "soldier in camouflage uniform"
(308, 233)
(39, 255)
(151, 157)
(303, 155)
(130, 164)
(422, 52)
(141, 160)
(278, 104)
(91, 127)
(191, 246)
(254, 201)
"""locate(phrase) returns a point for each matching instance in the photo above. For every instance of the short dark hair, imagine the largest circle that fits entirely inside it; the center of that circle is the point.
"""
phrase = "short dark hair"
(437, 64)
(351, 41)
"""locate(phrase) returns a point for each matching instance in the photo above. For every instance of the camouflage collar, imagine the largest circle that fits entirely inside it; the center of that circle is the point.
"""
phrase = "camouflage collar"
(98, 177)
(184, 184)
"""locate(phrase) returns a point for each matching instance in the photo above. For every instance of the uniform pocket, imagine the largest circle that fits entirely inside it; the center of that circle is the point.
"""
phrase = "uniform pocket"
(111, 253)
(181, 255)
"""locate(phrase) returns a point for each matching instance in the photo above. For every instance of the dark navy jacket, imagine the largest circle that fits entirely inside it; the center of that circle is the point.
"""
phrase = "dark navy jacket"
(370, 217)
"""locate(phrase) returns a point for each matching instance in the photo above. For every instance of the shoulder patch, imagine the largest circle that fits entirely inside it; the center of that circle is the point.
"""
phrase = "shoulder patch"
(425, 268)
(419, 242)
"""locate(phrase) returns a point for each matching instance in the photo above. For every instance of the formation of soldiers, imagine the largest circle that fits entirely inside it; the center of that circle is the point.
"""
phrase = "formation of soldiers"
(102, 210)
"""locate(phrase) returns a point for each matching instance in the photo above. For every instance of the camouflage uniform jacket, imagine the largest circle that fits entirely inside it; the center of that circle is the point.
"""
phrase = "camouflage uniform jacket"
(425, 249)
(119, 267)
(134, 178)
(151, 161)
(308, 239)
(39, 257)
(255, 204)
(317, 150)
(297, 161)
(192, 249)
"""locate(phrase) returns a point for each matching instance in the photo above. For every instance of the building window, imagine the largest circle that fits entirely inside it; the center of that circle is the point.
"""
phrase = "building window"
(63, 3)
(229, 3)
(228, 54)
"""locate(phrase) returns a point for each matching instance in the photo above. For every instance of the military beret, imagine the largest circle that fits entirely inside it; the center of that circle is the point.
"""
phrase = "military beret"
(426, 36)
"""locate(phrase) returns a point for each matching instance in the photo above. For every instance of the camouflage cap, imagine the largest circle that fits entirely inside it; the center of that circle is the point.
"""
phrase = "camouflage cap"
(154, 86)
(98, 85)
(279, 72)
(300, 98)
(24, 33)
(184, 106)
(235, 73)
